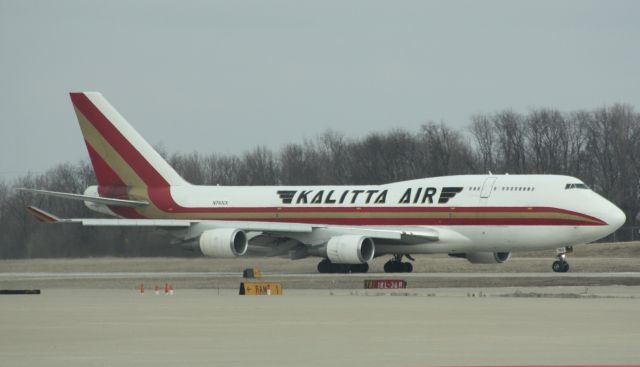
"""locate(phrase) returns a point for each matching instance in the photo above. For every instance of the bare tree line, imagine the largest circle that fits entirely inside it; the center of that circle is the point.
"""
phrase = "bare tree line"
(599, 146)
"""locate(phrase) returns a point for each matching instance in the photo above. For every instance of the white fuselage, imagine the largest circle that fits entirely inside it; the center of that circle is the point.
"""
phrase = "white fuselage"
(497, 213)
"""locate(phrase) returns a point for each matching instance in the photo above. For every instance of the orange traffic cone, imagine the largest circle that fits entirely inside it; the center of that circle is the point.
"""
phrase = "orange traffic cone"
(170, 289)
(166, 288)
(142, 289)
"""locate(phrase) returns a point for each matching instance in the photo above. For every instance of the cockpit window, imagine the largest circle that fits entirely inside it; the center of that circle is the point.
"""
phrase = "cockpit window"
(576, 186)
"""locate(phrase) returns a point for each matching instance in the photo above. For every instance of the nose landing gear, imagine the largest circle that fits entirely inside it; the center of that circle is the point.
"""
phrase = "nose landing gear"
(396, 265)
(561, 265)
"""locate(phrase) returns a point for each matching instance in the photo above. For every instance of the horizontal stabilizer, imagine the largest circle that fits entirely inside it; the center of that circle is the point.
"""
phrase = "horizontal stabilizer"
(158, 223)
(42, 216)
(47, 217)
(93, 199)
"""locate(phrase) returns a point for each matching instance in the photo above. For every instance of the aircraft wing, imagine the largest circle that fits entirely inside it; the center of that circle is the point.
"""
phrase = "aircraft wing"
(270, 228)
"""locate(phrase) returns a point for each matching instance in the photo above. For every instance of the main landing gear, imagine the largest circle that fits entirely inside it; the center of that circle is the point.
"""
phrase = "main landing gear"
(561, 265)
(326, 267)
(396, 265)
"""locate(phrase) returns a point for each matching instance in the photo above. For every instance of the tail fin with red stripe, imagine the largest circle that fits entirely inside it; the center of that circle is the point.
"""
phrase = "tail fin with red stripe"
(121, 158)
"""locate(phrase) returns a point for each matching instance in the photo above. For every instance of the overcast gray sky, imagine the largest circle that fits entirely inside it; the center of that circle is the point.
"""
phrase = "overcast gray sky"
(225, 76)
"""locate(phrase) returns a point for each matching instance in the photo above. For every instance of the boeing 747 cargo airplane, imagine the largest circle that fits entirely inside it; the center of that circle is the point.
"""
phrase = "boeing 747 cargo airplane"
(482, 218)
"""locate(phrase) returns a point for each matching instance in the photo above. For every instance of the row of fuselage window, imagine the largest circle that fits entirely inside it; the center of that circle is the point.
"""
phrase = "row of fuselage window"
(507, 188)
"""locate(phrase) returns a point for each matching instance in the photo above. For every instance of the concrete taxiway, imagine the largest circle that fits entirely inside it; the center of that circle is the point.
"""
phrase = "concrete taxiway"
(230, 280)
(82, 327)
(90, 313)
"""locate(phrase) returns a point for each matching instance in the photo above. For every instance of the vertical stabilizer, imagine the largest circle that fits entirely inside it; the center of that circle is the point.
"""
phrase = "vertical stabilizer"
(121, 158)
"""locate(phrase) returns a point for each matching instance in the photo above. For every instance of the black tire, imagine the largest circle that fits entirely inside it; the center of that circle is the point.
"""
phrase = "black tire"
(360, 268)
(565, 267)
(407, 267)
(388, 267)
(324, 266)
(557, 266)
(394, 267)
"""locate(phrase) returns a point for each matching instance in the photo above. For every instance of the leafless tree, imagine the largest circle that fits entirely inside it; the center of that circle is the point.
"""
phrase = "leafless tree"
(483, 132)
(548, 141)
(511, 141)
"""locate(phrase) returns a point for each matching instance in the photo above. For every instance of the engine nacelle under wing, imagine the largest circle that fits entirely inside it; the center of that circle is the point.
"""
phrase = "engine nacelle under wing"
(223, 242)
(350, 249)
(485, 257)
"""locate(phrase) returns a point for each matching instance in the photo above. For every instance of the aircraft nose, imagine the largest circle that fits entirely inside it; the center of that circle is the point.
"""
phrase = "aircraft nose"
(615, 217)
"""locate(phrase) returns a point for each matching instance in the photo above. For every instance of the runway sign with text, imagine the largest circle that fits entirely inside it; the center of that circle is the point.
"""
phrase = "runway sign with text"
(385, 284)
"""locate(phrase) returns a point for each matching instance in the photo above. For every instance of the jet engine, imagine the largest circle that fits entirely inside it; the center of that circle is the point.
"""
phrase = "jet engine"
(350, 249)
(485, 257)
(223, 242)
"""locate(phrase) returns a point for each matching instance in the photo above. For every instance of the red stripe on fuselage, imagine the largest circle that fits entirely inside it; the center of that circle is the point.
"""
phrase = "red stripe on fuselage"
(390, 209)
(360, 215)
(423, 221)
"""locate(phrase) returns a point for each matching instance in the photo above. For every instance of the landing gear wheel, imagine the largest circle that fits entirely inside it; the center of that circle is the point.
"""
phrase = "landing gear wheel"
(325, 266)
(362, 268)
(388, 267)
(341, 268)
(396, 265)
(391, 266)
(560, 266)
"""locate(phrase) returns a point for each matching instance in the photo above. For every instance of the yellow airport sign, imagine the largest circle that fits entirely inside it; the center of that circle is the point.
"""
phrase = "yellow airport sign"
(260, 289)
